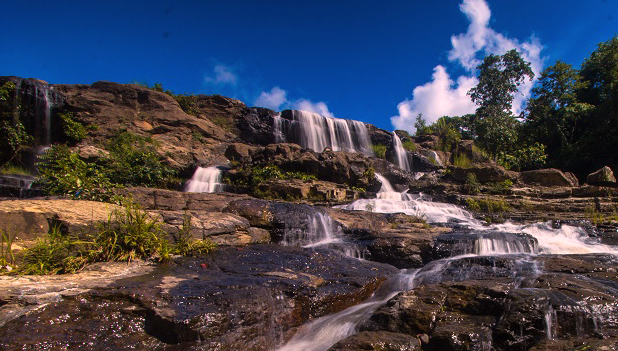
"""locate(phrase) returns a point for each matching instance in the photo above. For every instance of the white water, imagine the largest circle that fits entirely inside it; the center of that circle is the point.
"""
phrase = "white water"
(205, 180)
(321, 231)
(401, 154)
(324, 332)
(316, 132)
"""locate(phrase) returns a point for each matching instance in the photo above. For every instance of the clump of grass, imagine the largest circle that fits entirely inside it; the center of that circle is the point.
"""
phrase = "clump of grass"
(379, 150)
(185, 245)
(492, 206)
(7, 259)
(129, 234)
(462, 161)
(409, 145)
(54, 253)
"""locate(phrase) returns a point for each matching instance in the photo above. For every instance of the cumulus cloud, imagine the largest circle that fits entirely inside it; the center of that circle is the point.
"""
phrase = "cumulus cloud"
(316, 107)
(273, 99)
(443, 96)
(276, 99)
(222, 75)
(440, 97)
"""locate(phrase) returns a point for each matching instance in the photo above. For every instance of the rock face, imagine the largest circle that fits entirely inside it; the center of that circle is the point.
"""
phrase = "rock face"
(485, 173)
(249, 299)
(548, 177)
(603, 176)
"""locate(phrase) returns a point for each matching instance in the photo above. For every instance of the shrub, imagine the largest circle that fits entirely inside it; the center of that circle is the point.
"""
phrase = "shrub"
(492, 206)
(379, 150)
(188, 103)
(133, 161)
(409, 145)
(72, 129)
(472, 185)
(64, 173)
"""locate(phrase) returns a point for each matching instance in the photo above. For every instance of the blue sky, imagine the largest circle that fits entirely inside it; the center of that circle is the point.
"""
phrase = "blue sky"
(381, 62)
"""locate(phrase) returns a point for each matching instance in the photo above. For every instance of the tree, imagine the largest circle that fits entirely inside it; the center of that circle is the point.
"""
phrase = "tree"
(499, 79)
(553, 114)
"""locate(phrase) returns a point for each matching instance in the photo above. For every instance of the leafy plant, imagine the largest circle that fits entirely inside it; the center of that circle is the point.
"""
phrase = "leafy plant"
(492, 206)
(54, 253)
(188, 103)
(64, 173)
(15, 139)
(73, 130)
(129, 234)
(472, 185)
(409, 145)
(185, 245)
(379, 150)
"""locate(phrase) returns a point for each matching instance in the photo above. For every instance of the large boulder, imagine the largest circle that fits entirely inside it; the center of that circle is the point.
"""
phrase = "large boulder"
(603, 176)
(485, 173)
(548, 177)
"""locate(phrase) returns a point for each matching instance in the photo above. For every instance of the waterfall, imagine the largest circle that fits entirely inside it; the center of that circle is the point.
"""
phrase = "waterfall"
(319, 230)
(316, 132)
(205, 180)
(402, 155)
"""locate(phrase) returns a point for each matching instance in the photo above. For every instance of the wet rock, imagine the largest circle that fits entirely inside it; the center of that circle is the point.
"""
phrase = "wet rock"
(234, 299)
(383, 341)
(257, 126)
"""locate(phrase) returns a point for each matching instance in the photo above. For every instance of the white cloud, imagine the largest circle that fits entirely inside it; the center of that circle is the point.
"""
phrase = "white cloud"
(276, 99)
(272, 100)
(468, 50)
(222, 75)
(316, 107)
(440, 97)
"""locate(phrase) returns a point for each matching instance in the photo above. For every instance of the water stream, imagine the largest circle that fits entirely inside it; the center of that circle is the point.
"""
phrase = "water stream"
(518, 244)
(316, 132)
(205, 180)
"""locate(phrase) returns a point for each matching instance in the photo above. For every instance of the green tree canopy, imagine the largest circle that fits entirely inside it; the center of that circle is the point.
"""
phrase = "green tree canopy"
(499, 79)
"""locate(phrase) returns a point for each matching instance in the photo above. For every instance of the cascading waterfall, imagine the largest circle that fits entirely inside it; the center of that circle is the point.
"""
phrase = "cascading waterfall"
(401, 154)
(316, 132)
(518, 243)
(321, 231)
(205, 180)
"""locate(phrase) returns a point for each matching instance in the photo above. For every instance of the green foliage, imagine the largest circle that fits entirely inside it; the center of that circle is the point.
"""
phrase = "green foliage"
(472, 185)
(379, 150)
(64, 173)
(499, 79)
(188, 103)
(14, 140)
(53, 253)
(409, 145)
(369, 174)
(72, 129)
(501, 187)
(14, 169)
(185, 245)
(254, 176)
(461, 160)
(6, 90)
(420, 125)
(6, 248)
(129, 234)
(133, 161)
(527, 158)
(447, 133)
(491, 206)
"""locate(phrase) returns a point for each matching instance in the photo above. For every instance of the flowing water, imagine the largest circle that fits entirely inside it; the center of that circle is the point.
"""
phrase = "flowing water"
(517, 244)
(205, 180)
(401, 154)
(316, 132)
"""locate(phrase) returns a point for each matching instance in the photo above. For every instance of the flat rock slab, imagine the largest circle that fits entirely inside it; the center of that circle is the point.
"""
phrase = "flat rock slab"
(251, 298)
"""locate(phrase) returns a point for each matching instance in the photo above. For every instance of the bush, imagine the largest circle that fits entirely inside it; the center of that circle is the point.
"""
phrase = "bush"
(379, 150)
(492, 206)
(254, 176)
(54, 253)
(409, 145)
(472, 185)
(64, 173)
(133, 161)
(72, 129)
(462, 161)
